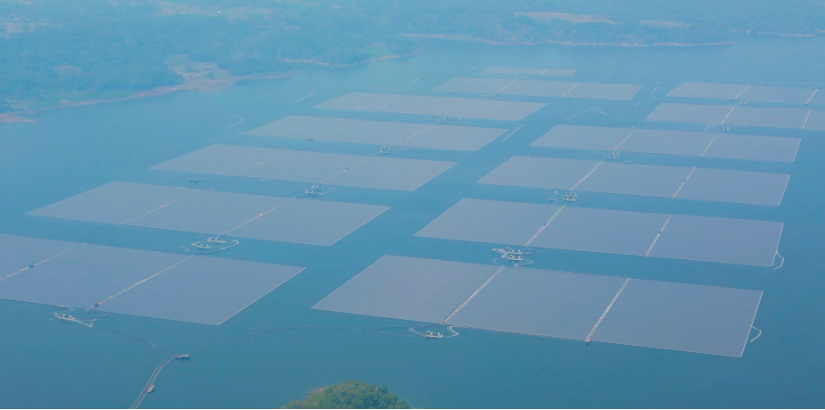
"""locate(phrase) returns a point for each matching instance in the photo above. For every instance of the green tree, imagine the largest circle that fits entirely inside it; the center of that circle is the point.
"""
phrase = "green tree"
(350, 394)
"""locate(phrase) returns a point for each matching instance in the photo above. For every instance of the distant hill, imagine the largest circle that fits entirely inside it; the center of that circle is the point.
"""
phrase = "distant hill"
(57, 53)
(350, 395)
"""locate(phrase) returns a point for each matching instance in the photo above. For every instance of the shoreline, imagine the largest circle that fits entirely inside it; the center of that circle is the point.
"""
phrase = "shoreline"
(194, 86)
(461, 37)
(200, 86)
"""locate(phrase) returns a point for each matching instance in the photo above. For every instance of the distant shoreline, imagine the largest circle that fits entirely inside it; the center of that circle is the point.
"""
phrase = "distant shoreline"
(195, 86)
(461, 37)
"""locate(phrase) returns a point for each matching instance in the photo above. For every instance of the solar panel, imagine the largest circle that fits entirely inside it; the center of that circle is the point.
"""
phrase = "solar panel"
(433, 136)
(700, 238)
(203, 290)
(311, 167)
(679, 316)
(490, 221)
(433, 106)
(540, 88)
(414, 289)
(559, 72)
(306, 221)
(602, 231)
(540, 303)
(707, 90)
(575, 306)
(721, 240)
(759, 188)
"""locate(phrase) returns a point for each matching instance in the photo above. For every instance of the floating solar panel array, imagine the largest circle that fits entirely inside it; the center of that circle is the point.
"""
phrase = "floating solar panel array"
(698, 144)
(699, 238)
(312, 167)
(433, 106)
(759, 188)
(526, 71)
(539, 88)
(188, 288)
(756, 93)
(674, 316)
(268, 218)
(736, 115)
(433, 136)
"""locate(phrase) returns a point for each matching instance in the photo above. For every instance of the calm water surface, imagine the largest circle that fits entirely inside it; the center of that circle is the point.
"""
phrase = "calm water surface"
(49, 364)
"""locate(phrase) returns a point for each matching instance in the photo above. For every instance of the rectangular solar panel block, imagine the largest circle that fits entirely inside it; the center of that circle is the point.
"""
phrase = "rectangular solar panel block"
(634, 179)
(18, 252)
(678, 316)
(602, 231)
(404, 288)
(818, 98)
(690, 113)
(400, 174)
(202, 290)
(722, 240)
(85, 276)
(753, 147)
(113, 203)
(708, 90)
(747, 187)
(582, 137)
(452, 137)
(816, 121)
(538, 88)
(302, 127)
(667, 142)
(559, 72)
(621, 92)
(217, 159)
(474, 85)
(779, 95)
(436, 106)
(311, 222)
(496, 222)
(374, 132)
(540, 303)
(544, 173)
(767, 117)
(209, 212)
(301, 166)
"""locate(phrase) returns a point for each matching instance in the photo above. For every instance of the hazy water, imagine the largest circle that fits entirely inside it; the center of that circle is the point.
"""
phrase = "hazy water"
(48, 364)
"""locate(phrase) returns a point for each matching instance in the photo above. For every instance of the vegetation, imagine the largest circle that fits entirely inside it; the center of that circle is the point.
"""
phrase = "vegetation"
(56, 52)
(350, 395)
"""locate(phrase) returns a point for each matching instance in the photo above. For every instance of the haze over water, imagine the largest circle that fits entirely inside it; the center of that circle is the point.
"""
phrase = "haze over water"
(52, 364)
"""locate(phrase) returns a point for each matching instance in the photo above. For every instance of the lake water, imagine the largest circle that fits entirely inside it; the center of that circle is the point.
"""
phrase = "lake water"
(44, 363)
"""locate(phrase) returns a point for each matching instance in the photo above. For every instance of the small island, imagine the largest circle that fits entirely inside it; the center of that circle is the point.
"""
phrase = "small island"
(350, 394)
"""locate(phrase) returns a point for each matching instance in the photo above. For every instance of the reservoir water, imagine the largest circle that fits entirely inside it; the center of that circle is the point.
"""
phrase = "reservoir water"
(47, 363)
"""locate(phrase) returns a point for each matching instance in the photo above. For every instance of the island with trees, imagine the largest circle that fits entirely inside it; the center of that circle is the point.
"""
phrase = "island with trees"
(349, 395)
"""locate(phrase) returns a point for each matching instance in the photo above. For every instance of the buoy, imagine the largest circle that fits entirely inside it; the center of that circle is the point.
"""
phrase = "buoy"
(97, 305)
(31, 265)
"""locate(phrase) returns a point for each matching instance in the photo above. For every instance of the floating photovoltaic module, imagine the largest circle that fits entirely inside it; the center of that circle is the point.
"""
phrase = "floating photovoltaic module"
(270, 218)
(415, 289)
(679, 316)
(557, 72)
(699, 144)
(690, 113)
(758, 188)
(539, 88)
(676, 316)
(189, 288)
(725, 240)
(756, 93)
(734, 115)
(815, 121)
(312, 167)
(540, 303)
(433, 106)
(433, 136)
(700, 238)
